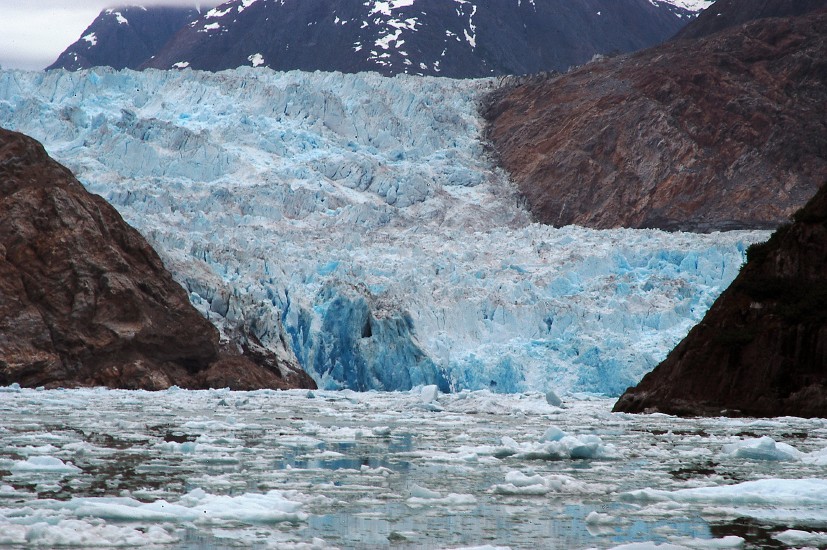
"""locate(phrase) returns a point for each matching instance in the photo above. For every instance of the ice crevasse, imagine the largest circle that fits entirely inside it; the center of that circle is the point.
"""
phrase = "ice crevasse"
(356, 225)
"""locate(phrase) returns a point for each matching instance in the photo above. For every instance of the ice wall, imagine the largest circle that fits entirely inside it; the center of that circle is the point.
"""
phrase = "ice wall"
(355, 222)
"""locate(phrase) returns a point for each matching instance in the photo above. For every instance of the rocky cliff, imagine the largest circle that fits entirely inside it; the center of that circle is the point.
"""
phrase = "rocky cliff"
(761, 350)
(727, 131)
(84, 300)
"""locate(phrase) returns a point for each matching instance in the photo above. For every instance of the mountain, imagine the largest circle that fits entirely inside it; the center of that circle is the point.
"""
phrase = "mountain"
(86, 301)
(727, 131)
(760, 350)
(125, 37)
(354, 222)
(452, 38)
(724, 14)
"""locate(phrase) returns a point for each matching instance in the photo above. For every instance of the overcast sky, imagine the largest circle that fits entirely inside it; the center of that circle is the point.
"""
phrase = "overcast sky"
(34, 32)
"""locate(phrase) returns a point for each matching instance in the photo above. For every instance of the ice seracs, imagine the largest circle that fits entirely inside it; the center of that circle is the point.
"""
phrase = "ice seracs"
(425, 269)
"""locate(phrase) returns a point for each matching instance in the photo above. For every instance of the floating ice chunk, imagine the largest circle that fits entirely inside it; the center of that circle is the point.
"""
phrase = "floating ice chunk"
(797, 538)
(730, 541)
(187, 447)
(429, 394)
(817, 458)
(451, 499)
(553, 400)
(422, 496)
(521, 480)
(422, 492)
(555, 444)
(771, 492)
(381, 431)
(596, 518)
(518, 483)
(13, 388)
(553, 434)
(71, 532)
(8, 491)
(381, 470)
(649, 546)
(764, 448)
(44, 464)
(40, 450)
(300, 441)
(197, 505)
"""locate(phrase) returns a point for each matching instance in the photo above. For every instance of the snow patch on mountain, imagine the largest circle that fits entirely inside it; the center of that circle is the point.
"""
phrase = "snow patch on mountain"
(257, 60)
(118, 16)
(356, 222)
(689, 5)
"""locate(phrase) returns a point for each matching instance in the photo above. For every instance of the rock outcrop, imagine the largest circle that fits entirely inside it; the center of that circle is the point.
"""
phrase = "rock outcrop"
(723, 132)
(724, 14)
(85, 301)
(761, 350)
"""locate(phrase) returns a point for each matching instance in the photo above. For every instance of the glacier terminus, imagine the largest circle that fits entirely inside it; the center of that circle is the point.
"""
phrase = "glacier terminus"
(356, 225)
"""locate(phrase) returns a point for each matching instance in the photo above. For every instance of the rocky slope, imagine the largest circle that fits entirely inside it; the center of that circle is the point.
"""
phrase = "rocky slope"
(86, 301)
(459, 38)
(728, 131)
(731, 13)
(761, 350)
(124, 37)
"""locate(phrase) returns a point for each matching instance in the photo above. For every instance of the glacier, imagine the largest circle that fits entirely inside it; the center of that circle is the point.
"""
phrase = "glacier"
(357, 225)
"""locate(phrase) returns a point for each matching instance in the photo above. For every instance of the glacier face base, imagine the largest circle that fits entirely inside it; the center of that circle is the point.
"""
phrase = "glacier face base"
(356, 224)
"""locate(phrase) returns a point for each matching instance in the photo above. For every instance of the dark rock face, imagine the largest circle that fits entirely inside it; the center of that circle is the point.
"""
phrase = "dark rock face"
(85, 301)
(124, 38)
(725, 132)
(724, 14)
(455, 39)
(761, 350)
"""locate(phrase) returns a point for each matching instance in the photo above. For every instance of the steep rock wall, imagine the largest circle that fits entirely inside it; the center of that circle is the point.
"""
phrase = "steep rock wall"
(724, 132)
(761, 350)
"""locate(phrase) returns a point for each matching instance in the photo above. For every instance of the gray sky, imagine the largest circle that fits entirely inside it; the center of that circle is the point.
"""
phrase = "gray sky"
(34, 32)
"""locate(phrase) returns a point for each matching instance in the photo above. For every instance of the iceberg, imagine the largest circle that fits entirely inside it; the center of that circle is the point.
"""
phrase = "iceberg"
(357, 224)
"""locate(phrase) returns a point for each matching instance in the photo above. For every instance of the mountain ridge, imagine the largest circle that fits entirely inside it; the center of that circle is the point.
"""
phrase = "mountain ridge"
(457, 38)
(124, 37)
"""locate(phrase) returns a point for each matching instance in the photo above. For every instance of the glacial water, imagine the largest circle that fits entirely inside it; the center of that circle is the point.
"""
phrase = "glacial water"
(325, 469)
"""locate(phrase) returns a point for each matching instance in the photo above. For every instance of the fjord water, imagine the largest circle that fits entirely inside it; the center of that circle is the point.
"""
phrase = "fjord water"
(299, 469)
(357, 225)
